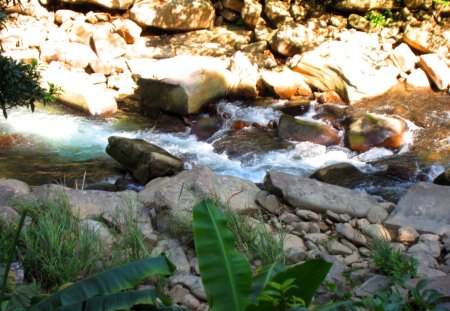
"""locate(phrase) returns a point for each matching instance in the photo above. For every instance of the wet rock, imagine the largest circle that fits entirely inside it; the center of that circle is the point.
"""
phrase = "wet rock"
(443, 179)
(206, 127)
(300, 130)
(407, 234)
(146, 161)
(12, 188)
(374, 130)
(329, 97)
(424, 208)
(174, 15)
(341, 174)
(305, 193)
(285, 83)
(183, 84)
(293, 38)
(351, 234)
(246, 77)
(436, 69)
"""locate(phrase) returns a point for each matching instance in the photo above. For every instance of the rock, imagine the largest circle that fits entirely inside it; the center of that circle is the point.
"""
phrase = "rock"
(337, 271)
(417, 79)
(178, 258)
(127, 29)
(245, 75)
(371, 285)
(351, 234)
(337, 248)
(100, 230)
(300, 130)
(427, 39)
(114, 5)
(307, 215)
(206, 127)
(97, 17)
(294, 248)
(305, 193)
(443, 179)
(12, 188)
(8, 215)
(183, 84)
(194, 283)
(24, 55)
(269, 202)
(62, 16)
(424, 207)
(288, 218)
(251, 13)
(177, 293)
(404, 58)
(108, 45)
(359, 22)
(376, 231)
(340, 174)
(377, 215)
(146, 161)
(362, 5)
(82, 95)
(277, 12)
(436, 69)
(285, 83)
(439, 283)
(432, 248)
(373, 130)
(73, 54)
(349, 68)
(407, 234)
(174, 15)
(293, 38)
(190, 302)
(87, 203)
(81, 32)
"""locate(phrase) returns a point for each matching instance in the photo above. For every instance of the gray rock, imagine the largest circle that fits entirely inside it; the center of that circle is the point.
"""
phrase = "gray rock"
(425, 208)
(446, 241)
(377, 215)
(353, 258)
(101, 231)
(10, 188)
(194, 283)
(289, 218)
(407, 234)
(178, 292)
(307, 215)
(336, 273)
(8, 215)
(428, 237)
(317, 237)
(351, 234)
(370, 286)
(178, 258)
(337, 248)
(145, 160)
(301, 192)
(432, 248)
(376, 231)
(269, 202)
(333, 216)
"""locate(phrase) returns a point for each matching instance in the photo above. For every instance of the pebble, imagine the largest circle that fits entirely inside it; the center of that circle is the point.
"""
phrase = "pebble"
(307, 215)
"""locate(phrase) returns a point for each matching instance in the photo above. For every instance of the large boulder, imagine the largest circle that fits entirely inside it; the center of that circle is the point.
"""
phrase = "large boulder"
(373, 130)
(183, 84)
(78, 92)
(428, 38)
(174, 15)
(174, 197)
(436, 69)
(349, 68)
(12, 188)
(300, 130)
(310, 194)
(425, 208)
(146, 161)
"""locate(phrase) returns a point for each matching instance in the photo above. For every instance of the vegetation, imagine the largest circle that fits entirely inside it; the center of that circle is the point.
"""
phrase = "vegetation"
(378, 19)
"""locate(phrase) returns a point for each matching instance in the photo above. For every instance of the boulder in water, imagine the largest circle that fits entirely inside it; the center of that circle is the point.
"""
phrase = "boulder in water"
(300, 130)
(373, 130)
(206, 127)
(285, 83)
(146, 161)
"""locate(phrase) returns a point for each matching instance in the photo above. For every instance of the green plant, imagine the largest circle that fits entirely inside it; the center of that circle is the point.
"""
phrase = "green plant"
(227, 276)
(255, 240)
(393, 263)
(378, 19)
(54, 248)
(443, 2)
(111, 290)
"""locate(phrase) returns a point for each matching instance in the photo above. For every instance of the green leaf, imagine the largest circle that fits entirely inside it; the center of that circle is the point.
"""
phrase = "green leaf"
(308, 277)
(263, 278)
(225, 273)
(112, 281)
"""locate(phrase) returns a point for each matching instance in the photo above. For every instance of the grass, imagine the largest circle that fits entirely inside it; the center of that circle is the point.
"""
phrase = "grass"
(393, 263)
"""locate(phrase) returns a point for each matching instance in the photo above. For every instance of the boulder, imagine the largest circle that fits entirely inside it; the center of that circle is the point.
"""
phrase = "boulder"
(310, 194)
(174, 15)
(285, 83)
(424, 208)
(404, 58)
(362, 5)
(293, 38)
(110, 4)
(78, 92)
(341, 174)
(443, 179)
(8, 215)
(245, 75)
(436, 69)
(428, 38)
(277, 12)
(349, 68)
(373, 130)
(127, 29)
(417, 79)
(300, 130)
(145, 161)
(206, 127)
(251, 13)
(71, 53)
(12, 188)
(183, 84)
(108, 45)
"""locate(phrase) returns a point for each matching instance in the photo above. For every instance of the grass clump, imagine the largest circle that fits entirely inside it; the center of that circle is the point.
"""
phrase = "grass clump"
(54, 248)
(393, 263)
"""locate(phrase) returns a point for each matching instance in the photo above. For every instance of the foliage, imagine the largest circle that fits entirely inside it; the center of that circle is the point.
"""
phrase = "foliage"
(378, 19)
(111, 290)
(227, 277)
(255, 240)
(393, 263)
(54, 248)
(443, 2)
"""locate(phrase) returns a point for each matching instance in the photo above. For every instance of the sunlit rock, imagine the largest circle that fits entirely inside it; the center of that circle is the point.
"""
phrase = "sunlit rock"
(108, 45)
(285, 83)
(300, 130)
(183, 84)
(373, 130)
(436, 69)
(428, 38)
(251, 13)
(417, 79)
(73, 54)
(145, 160)
(23, 55)
(127, 29)
(245, 76)
(293, 38)
(62, 16)
(110, 4)
(362, 5)
(174, 15)
(404, 58)
(235, 5)
(277, 12)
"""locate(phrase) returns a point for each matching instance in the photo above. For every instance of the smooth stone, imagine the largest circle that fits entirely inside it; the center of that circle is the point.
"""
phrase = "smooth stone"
(351, 234)
(12, 188)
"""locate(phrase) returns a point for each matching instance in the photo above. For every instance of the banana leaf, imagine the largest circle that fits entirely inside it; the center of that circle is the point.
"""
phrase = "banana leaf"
(225, 273)
(108, 282)
(261, 279)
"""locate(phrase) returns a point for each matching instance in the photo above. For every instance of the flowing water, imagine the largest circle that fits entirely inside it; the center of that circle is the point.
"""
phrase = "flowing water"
(57, 145)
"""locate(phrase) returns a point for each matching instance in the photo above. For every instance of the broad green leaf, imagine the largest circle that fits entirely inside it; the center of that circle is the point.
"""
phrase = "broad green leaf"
(308, 277)
(261, 279)
(225, 273)
(112, 281)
